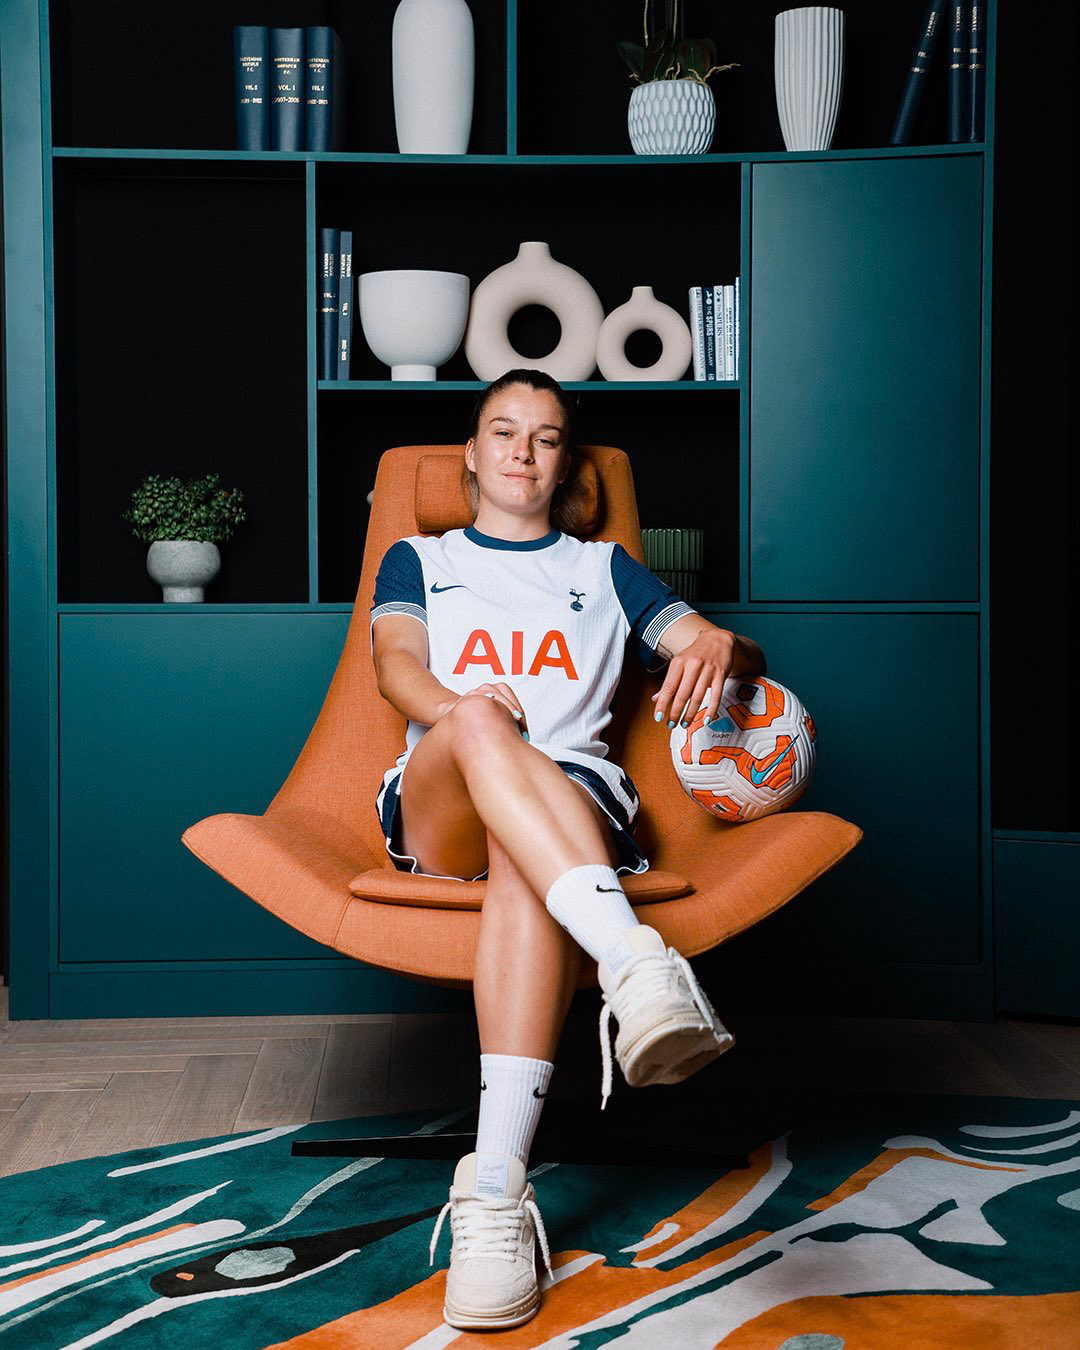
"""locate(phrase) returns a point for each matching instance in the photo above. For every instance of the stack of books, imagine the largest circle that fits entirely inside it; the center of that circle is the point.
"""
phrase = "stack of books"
(714, 326)
(964, 30)
(290, 88)
(334, 303)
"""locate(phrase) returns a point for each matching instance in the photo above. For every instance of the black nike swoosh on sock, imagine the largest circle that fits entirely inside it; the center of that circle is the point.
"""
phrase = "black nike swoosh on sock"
(611, 890)
(538, 1093)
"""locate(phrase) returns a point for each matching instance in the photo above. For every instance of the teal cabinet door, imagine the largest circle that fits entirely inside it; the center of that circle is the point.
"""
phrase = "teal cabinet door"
(164, 719)
(865, 342)
(893, 697)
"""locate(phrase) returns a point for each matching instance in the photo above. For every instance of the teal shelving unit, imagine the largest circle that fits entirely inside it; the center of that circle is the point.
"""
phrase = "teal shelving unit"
(824, 477)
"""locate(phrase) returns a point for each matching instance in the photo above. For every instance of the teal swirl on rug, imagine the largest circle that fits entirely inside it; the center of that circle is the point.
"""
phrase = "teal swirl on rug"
(866, 1221)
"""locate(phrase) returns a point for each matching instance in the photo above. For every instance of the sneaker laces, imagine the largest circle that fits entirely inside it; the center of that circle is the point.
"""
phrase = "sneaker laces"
(486, 1225)
(651, 975)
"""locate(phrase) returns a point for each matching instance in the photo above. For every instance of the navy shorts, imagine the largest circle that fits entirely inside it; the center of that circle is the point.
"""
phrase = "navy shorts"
(630, 856)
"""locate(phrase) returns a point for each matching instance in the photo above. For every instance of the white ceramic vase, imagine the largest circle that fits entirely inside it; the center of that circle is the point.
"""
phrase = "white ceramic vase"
(809, 72)
(671, 117)
(643, 310)
(183, 568)
(413, 320)
(534, 277)
(433, 68)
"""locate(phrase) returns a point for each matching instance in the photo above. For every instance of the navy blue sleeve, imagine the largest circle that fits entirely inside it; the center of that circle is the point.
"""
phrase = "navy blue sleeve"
(399, 585)
(650, 605)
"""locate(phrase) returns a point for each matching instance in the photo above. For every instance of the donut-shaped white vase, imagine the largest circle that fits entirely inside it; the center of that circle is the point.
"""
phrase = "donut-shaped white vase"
(808, 68)
(533, 277)
(643, 310)
(413, 319)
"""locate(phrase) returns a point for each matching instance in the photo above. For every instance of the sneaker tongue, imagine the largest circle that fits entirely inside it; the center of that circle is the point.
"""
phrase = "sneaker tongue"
(498, 1174)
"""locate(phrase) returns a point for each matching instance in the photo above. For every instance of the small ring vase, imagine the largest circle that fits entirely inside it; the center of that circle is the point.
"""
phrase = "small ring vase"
(643, 310)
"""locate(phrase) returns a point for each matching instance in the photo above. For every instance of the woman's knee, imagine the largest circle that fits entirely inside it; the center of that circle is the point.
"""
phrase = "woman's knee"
(476, 722)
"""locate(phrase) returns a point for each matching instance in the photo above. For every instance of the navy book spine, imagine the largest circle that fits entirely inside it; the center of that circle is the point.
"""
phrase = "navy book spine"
(345, 306)
(958, 72)
(324, 89)
(327, 291)
(287, 85)
(917, 75)
(251, 62)
(977, 73)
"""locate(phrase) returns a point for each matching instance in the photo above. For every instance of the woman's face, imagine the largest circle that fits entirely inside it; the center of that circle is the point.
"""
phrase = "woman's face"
(519, 449)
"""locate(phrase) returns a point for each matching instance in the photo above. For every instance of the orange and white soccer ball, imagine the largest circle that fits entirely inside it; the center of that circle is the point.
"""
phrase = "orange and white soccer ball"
(757, 756)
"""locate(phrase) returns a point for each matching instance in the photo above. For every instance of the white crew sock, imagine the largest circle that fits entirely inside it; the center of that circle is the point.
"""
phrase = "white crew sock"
(592, 906)
(512, 1092)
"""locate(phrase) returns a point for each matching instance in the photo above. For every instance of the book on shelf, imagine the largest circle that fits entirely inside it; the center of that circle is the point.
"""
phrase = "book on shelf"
(964, 39)
(326, 288)
(714, 328)
(290, 88)
(324, 89)
(251, 62)
(286, 81)
(344, 307)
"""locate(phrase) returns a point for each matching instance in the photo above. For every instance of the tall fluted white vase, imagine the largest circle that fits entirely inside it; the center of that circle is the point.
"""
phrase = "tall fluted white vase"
(809, 72)
(434, 61)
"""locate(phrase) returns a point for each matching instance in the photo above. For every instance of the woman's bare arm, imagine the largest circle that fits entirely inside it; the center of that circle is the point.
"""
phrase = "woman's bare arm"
(400, 653)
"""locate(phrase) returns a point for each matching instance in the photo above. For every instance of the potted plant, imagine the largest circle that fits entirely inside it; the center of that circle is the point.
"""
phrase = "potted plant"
(181, 522)
(672, 111)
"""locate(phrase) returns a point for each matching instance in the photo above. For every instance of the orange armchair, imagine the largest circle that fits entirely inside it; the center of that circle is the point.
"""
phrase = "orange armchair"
(316, 858)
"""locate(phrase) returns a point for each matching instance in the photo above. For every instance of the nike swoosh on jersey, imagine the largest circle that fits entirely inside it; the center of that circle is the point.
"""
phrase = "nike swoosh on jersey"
(611, 890)
(538, 1093)
(436, 588)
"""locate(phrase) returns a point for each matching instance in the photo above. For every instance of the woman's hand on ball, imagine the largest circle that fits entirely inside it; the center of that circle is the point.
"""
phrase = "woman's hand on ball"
(699, 669)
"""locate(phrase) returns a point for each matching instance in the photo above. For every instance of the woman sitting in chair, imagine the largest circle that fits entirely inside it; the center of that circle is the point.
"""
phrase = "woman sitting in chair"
(507, 777)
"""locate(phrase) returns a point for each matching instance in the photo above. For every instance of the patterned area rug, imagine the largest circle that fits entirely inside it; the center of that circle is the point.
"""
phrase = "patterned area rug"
(863, 1222)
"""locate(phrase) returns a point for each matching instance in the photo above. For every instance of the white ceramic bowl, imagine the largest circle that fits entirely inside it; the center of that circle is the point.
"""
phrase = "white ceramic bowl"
(413, 320)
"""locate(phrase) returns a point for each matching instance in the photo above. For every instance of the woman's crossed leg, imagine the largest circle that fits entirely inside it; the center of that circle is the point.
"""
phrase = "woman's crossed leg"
(475, 794)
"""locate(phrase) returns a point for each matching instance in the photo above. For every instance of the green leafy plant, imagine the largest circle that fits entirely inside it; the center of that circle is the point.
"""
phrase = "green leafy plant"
(661, 57)
(166, 508)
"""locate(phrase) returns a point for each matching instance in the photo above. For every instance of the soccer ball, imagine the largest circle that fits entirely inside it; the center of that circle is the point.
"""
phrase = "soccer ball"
(756, 757)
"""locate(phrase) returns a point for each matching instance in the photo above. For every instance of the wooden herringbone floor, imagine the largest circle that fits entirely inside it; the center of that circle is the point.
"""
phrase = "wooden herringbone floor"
(77, 1089)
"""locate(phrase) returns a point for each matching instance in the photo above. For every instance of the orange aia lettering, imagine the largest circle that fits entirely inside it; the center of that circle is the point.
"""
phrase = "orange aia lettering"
(481, 638)
(561, 660)
(479, 650)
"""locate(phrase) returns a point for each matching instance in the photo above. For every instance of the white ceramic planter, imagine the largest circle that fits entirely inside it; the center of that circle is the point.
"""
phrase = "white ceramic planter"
(182, 568)
(433, 69)
(413, 319)
(809, 72)
(671, 117)
(534, 277)
(643, 310)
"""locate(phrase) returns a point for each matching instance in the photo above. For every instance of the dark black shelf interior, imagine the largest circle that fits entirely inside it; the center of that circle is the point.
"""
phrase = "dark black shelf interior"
(617, 227)
(181, 300)
(574, 88)
(685, 465)
(161, 75)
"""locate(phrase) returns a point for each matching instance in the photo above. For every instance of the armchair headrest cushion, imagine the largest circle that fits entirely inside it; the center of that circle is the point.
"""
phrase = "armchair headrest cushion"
(442, 501)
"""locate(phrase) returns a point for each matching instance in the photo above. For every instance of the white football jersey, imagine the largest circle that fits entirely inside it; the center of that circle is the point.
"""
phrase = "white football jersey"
(550, 617)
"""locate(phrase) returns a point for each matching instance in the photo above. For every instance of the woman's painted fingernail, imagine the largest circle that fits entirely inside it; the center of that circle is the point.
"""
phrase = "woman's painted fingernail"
(525, 734)
(516, 712)
(670, 725)
(684, 724)
(659, 715)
